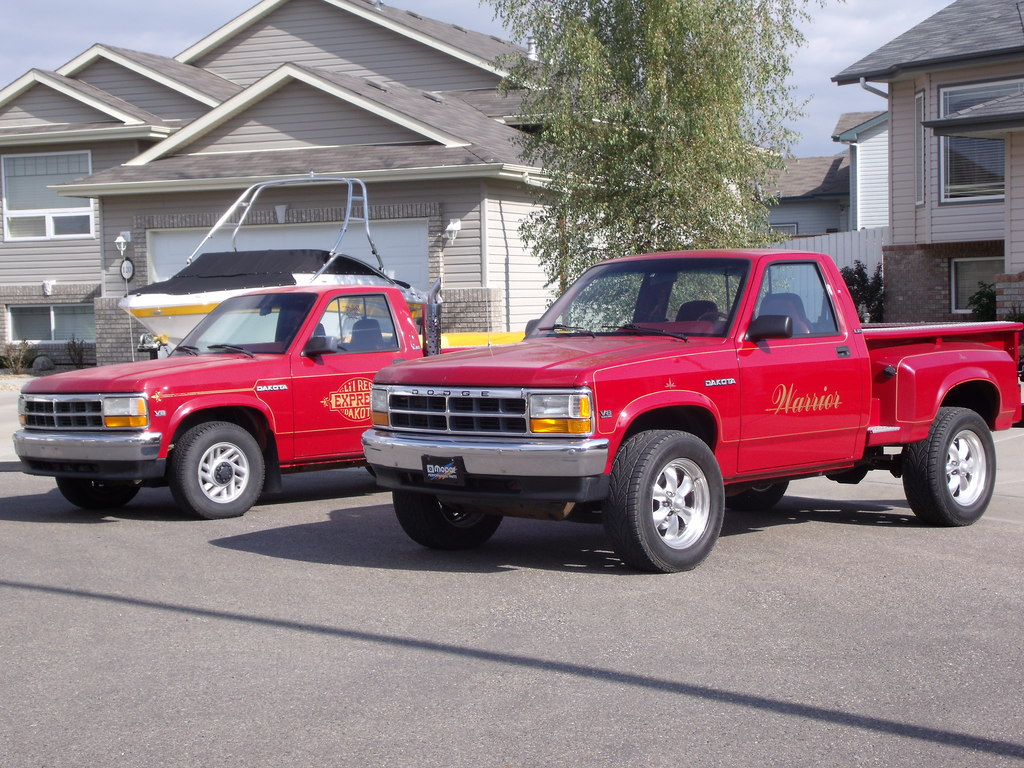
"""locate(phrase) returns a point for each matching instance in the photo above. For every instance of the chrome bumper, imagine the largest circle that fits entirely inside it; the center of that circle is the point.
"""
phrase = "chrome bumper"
(78, 446)
(487, 456)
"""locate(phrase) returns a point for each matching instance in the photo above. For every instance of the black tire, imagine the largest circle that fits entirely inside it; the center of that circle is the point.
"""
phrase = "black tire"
(95, 494)
(216, 470)
(760, 498)
(428, 522)
(949, 477)
(652, 526)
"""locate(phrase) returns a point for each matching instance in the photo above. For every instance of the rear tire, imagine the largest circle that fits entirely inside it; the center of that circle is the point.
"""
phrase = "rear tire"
(216, 470)
(760, 498)
(666, 502)
(949, 476)
(431, 524)
(95, 494)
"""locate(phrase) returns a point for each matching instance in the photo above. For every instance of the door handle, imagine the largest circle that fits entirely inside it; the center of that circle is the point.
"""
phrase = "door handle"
(842, 351)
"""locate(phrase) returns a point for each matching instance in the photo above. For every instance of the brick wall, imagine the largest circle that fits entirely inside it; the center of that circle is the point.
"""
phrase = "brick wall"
(917, 279)
(36, 294)
(472, 309)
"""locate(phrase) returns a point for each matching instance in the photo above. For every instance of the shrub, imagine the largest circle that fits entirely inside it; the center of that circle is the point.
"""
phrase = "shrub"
(868, 293)
(982, 302)
(76, 351)
(17, 356)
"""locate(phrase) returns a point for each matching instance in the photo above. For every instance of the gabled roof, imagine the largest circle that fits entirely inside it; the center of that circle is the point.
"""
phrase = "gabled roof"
(198, 84)
(126, 121)
(471, 47)
(443, 120)
(815, 177)
(851, 125)
(966, 30)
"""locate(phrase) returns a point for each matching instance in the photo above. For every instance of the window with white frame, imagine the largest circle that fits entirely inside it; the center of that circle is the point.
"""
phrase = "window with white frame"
(32, 211)
(57, 322)
(921, 162)
(967, 276)
(972, 168)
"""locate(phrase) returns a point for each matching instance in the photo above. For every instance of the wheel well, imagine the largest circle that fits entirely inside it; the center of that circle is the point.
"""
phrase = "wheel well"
(696, 421)
(978, 396)
(249, 419)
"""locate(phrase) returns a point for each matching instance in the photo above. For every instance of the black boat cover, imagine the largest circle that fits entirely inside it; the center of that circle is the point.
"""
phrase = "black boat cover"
(235, 270)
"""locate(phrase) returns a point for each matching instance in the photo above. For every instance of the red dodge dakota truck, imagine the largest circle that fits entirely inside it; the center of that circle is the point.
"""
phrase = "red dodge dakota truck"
(269, 382)
(661, 389)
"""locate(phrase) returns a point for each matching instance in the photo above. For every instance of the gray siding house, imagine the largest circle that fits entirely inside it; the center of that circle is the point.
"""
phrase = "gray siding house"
(126, 144)
(956, 147)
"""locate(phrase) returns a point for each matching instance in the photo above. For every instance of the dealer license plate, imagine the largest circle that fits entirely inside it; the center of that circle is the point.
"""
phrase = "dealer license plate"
(444, 470)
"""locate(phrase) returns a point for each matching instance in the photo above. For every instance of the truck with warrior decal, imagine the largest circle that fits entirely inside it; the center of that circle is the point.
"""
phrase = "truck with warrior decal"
(661, 389)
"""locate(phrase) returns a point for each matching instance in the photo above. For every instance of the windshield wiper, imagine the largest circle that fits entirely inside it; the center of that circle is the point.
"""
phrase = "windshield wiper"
(633, 327)
(231, 348)
(187, 349)
(569, 329)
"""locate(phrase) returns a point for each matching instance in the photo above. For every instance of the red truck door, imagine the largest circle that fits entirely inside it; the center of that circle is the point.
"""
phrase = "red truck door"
(331, 392)
(803, 398)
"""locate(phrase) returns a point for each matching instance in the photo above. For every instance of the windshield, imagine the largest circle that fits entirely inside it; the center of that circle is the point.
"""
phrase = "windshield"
(259, 323)
(686, 296)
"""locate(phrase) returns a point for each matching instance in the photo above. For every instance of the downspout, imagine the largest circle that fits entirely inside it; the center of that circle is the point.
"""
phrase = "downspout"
(872, 89)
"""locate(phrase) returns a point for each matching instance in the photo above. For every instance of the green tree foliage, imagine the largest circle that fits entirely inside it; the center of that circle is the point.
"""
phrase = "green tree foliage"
(662, 122)
(868, 293)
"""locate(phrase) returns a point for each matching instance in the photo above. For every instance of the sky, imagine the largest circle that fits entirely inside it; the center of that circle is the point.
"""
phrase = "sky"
(49, 33)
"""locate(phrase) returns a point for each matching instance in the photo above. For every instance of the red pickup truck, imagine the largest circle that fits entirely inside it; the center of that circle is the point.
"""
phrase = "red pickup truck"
(269, 382)
(661, 389)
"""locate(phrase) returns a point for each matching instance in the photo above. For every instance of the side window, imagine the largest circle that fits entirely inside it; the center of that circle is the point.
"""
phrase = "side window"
(359, 323)
(797, 289)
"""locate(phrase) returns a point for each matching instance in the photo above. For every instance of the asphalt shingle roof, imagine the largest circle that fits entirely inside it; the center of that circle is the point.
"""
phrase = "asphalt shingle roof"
(815, 177)
(202, 80)
(966, 29)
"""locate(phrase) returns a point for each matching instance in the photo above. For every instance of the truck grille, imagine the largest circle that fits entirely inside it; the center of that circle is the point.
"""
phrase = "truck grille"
(474, 412)
(59, 413)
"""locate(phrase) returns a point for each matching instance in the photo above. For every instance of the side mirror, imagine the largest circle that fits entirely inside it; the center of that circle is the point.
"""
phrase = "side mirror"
(531, 325)
(770, 327)
(320, 345)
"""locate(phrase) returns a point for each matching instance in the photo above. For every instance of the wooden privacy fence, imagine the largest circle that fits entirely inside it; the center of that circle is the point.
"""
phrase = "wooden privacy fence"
(864, 245)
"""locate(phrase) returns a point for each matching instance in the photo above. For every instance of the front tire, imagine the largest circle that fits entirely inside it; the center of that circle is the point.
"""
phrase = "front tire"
(431, 524)
(216, 470)
(949, 476)
(95, 494)
(666, 502)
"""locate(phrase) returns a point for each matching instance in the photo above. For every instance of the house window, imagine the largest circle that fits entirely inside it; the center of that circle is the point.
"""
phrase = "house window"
(787, 229)
(972, 168)
(967, 275)
(32, 211)
(59, 322)
(919, 148)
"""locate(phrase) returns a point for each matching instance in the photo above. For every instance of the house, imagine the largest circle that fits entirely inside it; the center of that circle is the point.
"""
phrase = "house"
(956, 145)
(867, 136)
(812, 196)
(126, 148)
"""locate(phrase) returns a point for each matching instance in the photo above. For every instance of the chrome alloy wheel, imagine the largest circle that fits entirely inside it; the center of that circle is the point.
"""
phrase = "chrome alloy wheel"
(681, 503)
(966, 468)
(223, 472)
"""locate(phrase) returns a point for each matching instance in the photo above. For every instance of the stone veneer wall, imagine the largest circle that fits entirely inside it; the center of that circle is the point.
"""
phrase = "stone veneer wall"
(917, 278)
(471, 309)
(1010, 295)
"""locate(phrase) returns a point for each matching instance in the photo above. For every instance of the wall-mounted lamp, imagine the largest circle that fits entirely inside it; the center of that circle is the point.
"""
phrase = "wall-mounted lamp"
(452, 230)
(127, 267)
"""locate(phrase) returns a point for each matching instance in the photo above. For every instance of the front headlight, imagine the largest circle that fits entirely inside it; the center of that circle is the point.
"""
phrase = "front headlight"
(560, 413)
(379, 407)
(120, 412)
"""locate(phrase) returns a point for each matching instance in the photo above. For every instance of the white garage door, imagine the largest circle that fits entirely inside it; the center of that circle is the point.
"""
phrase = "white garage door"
(402, 244)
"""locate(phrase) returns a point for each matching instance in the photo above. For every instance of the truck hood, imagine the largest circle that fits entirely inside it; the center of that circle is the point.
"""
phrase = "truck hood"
(151, 375)
(545, 362)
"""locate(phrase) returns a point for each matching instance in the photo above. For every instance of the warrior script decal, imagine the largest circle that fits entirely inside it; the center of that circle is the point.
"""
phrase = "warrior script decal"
(787, 399)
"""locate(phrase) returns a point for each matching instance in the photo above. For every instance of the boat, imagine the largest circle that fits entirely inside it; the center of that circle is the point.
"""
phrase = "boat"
(170, 308)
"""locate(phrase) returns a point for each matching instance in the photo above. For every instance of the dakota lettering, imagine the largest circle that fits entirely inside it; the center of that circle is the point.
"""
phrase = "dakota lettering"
(786, 399)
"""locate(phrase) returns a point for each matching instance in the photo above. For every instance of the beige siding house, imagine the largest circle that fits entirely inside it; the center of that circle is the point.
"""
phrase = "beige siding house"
(956, 180)
(338, 87)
